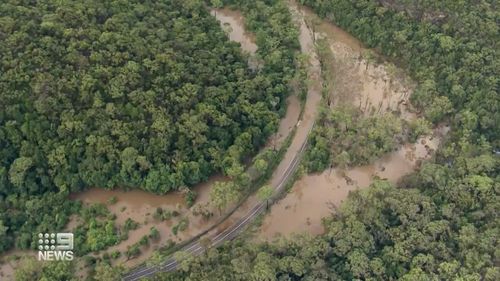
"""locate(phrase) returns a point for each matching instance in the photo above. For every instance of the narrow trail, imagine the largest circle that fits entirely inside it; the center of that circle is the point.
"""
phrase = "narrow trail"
(281, 175)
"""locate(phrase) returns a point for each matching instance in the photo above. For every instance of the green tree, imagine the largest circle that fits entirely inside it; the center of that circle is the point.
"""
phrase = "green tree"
(261, 166)
(106, 272)
(28, 269)
(184, 259)
(206, 243)
(264, 268)
(217, 4)
(439, 107)
(418, 127)
(18, 170)
(58, 271)
(154, 233)
(342, 160)
(265, 193)
(222, 194)
(129, 103)
(3, 237)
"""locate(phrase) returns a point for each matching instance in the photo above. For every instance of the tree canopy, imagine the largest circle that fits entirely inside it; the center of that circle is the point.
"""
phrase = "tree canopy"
(440, 223)
(450, 47)
(125, 93)
(131, 94)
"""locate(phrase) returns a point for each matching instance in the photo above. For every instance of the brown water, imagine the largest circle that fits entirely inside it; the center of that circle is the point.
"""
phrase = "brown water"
(140, 207)
(303, 126)
(10, 260)
(7, 270)
(302, 209)
(313, 196)
(312, 102)
(357, 80)
(234, 24)
(137, 203)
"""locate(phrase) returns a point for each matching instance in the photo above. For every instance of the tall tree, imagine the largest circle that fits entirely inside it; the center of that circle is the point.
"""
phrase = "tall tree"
(222, 194)
(265, 193)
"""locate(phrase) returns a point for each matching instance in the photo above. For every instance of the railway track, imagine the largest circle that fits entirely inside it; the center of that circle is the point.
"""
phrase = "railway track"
(195, 248)
(306, 126)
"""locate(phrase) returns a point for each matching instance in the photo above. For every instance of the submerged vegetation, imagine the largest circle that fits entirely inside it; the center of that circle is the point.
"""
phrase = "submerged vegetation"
(153, 95)
(442, 225)
(344, 137)
(125, 94)
(451, 49)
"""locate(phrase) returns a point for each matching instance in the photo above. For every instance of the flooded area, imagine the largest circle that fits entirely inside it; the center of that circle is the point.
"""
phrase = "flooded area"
(140, 206)
(290, 120)
(287, 124)
(313, 196)
(7, 269)
(10, 260)
(305, 125)
(135, 204)
(233, 23)
(356, 79)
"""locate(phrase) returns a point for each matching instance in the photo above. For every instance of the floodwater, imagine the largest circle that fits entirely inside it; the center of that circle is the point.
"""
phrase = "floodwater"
(135, 204)
(357, 77)
(303, 126)
(313, 196)
(233, 23)
(10, 260)
(374, 89)
(140, 206)
(313, 100)
(7, 269)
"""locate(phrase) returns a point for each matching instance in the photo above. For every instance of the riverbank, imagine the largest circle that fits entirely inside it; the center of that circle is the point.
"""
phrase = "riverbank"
(359, 78)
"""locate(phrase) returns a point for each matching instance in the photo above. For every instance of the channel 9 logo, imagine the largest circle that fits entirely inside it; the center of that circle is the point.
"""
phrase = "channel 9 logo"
(55, 246)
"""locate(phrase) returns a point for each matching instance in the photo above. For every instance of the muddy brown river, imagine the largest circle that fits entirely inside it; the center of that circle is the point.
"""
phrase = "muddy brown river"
(374, 89)
(303, 126)
(313, 196)
(357, 78)
(377, 87)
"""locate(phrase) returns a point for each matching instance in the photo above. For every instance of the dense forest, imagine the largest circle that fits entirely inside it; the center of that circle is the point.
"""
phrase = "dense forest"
(450, 48)
(124, 94)
(153, 95)
(344, 137)
(440, 223)
(128, 94)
